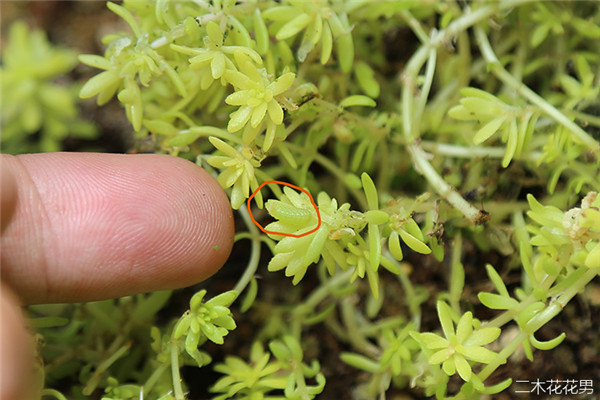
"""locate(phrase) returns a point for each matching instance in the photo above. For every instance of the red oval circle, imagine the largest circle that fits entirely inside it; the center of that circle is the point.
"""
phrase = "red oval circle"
(282, 233)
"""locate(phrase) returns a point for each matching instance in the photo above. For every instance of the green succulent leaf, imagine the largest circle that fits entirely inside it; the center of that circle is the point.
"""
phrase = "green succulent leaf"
(593, 258)
(394, 246)
(360, 362)
(413, 242)
(366, 79)
(483, 336)
(357, 100)
(489, 129)
(497, 302)
(548, 344)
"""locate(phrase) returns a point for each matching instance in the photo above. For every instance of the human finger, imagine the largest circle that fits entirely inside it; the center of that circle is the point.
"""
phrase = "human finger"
(94, 226)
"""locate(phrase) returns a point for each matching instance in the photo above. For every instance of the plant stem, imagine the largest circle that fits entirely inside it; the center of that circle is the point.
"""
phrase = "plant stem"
(151, 381)
(422, 100)
(410, 294)
(539, 320)
(300, 380)
(119, 339)
(387, 323)
(254, 255)
(457, 274)
(322, 292)
(428, 51)
(383, 177)
(545, 283)
(586, 118)
(102, 367)
(530, 95)
(409, 78)
(175, 33)
(177, 389)
(212, 131)
(334, 110)
(503, 355)
(452, 150)
(568, 281)
(509, 315)
(336, 329)
(348, 311)
(296, 122)
(335, 170)
(440, 185)
(420, 161)
(247, 235)
(556, 306)
(416, 26)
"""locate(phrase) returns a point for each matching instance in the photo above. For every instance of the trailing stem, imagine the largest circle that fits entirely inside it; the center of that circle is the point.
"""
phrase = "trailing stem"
(509, 80)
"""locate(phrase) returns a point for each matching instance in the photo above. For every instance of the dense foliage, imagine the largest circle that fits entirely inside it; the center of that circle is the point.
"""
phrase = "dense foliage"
(401, 142)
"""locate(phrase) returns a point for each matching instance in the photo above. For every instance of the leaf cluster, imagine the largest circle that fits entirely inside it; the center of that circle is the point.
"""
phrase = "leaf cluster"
(39, 103)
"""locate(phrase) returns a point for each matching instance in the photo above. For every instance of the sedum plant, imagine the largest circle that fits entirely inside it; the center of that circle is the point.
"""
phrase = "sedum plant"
(464, 139)
(261, 376)
(460, 344)
(37, 97)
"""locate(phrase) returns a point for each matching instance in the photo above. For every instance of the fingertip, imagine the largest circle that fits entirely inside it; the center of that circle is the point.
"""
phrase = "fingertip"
(210, 209)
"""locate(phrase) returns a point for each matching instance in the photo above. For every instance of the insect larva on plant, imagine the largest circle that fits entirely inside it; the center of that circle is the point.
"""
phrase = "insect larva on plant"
(288, 214)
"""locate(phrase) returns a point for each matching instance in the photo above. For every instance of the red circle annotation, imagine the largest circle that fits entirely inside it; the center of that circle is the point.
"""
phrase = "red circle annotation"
(283, 233)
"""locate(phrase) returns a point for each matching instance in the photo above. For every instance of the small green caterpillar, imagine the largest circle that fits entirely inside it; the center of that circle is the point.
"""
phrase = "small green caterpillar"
(288, 214)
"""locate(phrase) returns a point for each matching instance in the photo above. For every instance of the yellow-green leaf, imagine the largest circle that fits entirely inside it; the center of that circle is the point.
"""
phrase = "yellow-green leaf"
(511, 144)
(593, 258)
(357, 100)
(370, 191)
(293, 27)
(126, 15)
(366, 79)
(98, 83)
(377, 217)
(161, 127)
(260, 32)
(414, 243)
(326, 44)
(345, 52)
(394, 246)
(488, 130)
(95, 61)
(182, 139)
(374, 246)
